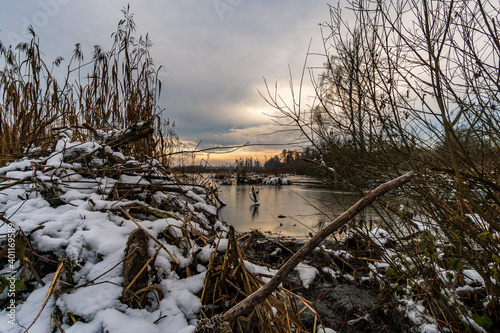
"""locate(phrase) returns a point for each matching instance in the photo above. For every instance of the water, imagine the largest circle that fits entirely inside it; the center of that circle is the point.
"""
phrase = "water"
(306, 207)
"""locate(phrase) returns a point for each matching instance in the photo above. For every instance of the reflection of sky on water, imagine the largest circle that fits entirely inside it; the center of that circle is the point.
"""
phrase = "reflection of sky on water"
(305, 209)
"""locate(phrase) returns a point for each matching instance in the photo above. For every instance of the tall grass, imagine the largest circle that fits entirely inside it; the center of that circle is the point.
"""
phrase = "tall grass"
(116, 89)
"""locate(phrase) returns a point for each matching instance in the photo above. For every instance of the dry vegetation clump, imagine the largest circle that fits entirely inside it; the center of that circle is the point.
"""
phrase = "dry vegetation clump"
(233, 277)
(115, 90)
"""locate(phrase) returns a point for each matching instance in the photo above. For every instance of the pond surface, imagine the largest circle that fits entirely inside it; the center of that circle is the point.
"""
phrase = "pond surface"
(292, 210)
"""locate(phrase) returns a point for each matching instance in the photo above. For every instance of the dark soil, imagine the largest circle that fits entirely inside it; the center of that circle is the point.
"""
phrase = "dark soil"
(344, 305)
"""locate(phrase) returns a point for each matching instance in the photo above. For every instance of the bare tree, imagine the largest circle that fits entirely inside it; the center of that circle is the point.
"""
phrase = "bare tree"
(414, 85)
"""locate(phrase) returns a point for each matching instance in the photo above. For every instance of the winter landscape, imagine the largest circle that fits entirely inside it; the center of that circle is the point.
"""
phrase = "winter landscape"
(110, 222)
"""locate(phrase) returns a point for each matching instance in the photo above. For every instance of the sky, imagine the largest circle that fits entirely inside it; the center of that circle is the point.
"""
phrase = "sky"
(216, 54)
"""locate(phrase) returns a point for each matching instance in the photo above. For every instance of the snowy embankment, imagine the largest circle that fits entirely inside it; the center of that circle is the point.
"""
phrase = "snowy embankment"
(394, 263)
(276, 181)
(73, 212)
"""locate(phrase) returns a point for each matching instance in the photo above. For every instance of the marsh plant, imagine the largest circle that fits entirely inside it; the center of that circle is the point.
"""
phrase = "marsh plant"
(115, 89)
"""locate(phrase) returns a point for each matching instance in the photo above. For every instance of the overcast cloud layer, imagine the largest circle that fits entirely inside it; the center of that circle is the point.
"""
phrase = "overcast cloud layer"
(215, 53)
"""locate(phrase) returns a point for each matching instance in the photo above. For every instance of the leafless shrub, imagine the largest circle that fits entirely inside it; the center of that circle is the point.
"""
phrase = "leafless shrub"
(414, 85)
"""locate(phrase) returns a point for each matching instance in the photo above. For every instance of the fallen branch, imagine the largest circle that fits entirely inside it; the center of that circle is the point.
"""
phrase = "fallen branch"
(133, 133)
(263, 292)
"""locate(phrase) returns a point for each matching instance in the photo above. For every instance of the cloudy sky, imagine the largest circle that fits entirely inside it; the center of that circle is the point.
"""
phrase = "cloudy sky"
(215, 53)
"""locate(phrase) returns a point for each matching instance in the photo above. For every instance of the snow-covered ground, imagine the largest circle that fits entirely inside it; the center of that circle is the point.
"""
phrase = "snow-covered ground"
(276, 181)
(66, 207)
(69, 215)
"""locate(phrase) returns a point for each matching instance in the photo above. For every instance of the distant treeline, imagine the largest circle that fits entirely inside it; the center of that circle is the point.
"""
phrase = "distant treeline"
(288, 161)
(291, 161)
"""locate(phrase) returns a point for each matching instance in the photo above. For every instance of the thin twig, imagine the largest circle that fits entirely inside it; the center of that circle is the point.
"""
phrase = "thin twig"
(152, 237)
(51, 289)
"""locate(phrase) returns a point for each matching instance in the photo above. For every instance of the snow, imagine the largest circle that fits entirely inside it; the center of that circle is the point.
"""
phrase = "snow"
(338, 253)
(92, 235)
(419, 316)
(473, 323)
(73, 195)
(331, 272)
(119, 155)
(88, 301)
(65, 148)
(108, 135)
(205, 253)
(472, 277)
(126, 179)
(275, 252)
(195, 196)
(26, 313)
(276, 181)
(482, 224)
(379, 236)
(21, 166)
(306, 273)
(322, 329)
(256, 269)
(223, 243)
(429, 328)
(207, 208)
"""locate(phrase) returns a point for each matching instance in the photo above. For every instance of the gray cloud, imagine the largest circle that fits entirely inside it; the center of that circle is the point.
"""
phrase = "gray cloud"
(215, 52)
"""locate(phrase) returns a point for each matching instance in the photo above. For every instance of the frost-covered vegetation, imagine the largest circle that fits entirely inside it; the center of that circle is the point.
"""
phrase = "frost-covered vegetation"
(413, 85)
(106, 238)
(72, 213)
(97, 234)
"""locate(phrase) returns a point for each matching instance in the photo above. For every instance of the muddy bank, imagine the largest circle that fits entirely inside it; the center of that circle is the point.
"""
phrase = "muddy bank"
(343, 293)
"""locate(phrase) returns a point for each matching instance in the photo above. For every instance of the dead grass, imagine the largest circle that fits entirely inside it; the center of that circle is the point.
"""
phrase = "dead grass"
(116, 89)
(229, 281)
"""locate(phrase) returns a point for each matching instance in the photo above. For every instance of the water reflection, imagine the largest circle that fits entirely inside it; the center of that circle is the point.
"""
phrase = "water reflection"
(255, 211)
(294, 210)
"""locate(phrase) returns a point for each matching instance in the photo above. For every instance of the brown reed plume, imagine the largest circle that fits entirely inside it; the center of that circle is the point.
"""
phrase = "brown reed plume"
(121, 89)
